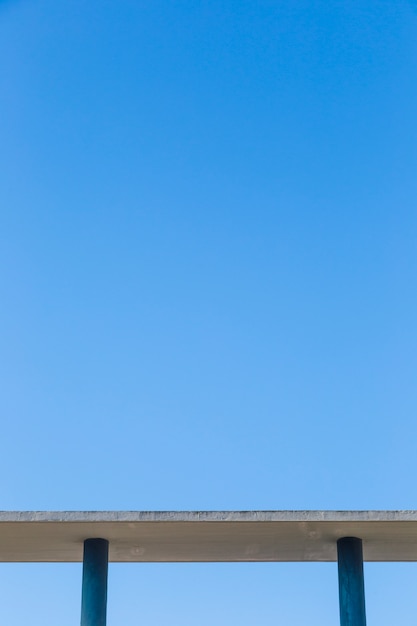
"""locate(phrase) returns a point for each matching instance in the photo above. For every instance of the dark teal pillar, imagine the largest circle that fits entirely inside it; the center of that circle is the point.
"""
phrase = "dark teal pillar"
(351, 582)
(94, 593)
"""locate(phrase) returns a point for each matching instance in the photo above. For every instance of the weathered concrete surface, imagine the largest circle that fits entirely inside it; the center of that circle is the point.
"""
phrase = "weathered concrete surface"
(192, 536)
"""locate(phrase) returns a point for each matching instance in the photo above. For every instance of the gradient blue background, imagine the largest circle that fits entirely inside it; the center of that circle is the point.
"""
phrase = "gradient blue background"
(208, 243)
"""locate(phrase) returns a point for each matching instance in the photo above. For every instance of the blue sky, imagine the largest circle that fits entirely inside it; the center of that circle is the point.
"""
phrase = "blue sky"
(208, 237)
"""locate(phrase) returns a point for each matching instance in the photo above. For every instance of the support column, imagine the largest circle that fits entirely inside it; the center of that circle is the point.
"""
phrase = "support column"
(351, 582)
(94, 589)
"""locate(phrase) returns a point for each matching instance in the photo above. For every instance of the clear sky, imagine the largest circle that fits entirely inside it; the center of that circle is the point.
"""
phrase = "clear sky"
(208, 247)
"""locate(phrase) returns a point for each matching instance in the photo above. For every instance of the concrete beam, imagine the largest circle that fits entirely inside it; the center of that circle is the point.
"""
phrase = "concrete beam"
(207, 536)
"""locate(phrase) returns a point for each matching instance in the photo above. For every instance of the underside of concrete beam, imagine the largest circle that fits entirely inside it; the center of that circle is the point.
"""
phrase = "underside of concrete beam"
(206, 536)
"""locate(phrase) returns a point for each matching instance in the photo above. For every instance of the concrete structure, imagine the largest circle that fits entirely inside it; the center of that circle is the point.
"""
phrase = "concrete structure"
(137, 536)
(209, 536)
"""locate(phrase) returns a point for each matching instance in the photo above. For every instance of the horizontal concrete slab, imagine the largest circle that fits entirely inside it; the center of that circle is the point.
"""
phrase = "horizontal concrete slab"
(206, 536)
